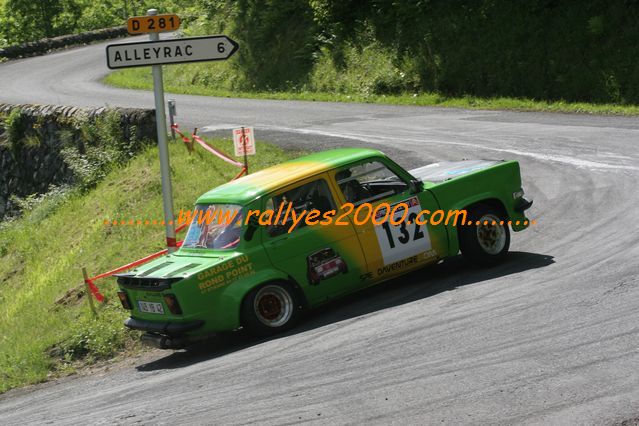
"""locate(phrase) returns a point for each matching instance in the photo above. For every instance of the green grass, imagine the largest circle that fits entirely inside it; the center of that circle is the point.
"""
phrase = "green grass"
(41, 256)
(367, 75)
(183, 80)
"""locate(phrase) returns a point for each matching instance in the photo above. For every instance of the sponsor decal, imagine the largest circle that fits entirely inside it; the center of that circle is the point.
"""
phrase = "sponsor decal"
(225, 273)
(324, 264)
(406, 263)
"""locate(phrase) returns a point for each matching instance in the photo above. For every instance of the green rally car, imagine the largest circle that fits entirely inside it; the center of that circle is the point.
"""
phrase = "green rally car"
(261, 274)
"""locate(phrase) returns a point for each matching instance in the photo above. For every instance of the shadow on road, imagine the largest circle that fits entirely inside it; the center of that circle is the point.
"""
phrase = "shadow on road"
(446, 276)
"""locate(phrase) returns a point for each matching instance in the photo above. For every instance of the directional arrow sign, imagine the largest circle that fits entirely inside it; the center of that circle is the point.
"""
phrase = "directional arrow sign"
(176, 51)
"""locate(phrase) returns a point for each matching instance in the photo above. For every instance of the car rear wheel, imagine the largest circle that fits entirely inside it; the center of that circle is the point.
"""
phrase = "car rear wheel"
(270, 309)
(487, 240)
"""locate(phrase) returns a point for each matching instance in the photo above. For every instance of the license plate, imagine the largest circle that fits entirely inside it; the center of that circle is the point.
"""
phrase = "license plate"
(150, 307)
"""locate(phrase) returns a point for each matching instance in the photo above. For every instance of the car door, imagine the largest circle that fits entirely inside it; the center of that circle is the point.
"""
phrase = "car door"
(325, 260)
(390, 248)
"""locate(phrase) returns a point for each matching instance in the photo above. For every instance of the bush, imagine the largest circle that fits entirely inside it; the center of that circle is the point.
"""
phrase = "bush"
(93, 147)
(97, 339)
(90, 147)
(25, 20)
(16, 125)
(537, 49)
(278, 40)
(41, 206)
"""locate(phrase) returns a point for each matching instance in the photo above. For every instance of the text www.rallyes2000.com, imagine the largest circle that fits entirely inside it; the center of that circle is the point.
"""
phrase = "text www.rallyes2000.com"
(362, 214)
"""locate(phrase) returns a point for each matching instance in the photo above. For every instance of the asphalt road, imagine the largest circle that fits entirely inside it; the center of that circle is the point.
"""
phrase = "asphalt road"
(551, 336)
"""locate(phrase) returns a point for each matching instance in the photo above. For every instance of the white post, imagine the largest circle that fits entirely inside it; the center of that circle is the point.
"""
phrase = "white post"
(165, 171)
(172, 114)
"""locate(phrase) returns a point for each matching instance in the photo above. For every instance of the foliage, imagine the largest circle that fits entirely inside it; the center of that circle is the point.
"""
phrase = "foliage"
(366, 71)
(91, 340)
(355, 82)
(96, 147)
(27, 20)
(278, 40)
(541, 49)
(15, 126)
(537, 49)
(40, 206)
(91, 147)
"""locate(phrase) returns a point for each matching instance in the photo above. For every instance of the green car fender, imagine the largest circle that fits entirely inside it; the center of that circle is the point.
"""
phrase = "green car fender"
(503, 180)
(228, 300)
(487, 198)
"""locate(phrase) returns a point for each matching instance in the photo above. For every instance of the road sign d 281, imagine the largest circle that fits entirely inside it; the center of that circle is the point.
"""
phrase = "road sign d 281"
(152, 24)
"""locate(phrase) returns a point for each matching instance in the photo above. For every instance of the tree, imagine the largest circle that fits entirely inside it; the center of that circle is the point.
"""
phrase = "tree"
(278, 40)
(31, 20)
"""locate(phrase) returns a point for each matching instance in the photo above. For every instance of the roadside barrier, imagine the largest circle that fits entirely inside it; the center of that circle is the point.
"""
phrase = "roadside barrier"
(176, 129)
(209, 148)
(90, 281)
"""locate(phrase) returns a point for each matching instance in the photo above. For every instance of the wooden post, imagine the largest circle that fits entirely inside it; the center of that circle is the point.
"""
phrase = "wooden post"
(244, 146)
(88, 292)
(191, 146)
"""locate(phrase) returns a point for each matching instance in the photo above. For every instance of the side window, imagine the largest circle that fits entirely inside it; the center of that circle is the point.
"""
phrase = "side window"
(368, 182)
(310, 196)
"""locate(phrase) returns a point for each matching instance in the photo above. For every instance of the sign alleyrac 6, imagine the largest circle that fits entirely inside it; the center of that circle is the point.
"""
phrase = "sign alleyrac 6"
(175, 51)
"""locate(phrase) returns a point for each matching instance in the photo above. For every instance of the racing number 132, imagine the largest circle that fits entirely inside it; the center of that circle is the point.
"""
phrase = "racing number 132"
(398, 235)
(406, 235)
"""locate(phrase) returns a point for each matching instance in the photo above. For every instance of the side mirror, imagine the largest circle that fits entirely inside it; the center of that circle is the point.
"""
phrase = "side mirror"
(416, 185)
(252, 226)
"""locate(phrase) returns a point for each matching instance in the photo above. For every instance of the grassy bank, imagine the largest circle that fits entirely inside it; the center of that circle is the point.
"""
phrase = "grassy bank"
(363, 74)
(45, 326)
(200, 79)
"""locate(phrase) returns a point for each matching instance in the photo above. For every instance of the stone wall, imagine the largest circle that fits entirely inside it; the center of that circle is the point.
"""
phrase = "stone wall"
(30, 168)
(46, 44)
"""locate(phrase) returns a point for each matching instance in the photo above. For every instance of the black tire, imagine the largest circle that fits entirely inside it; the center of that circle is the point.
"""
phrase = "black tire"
(270, 309)
(485, 245)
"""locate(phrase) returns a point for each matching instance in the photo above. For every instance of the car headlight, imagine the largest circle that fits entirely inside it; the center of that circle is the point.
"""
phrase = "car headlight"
(518, 194)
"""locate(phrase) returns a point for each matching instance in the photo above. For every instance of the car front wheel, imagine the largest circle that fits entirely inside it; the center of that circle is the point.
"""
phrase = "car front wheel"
(487, 239)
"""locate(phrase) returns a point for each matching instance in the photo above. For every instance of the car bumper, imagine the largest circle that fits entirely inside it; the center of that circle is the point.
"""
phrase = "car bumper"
(168, 328)
(522, 205)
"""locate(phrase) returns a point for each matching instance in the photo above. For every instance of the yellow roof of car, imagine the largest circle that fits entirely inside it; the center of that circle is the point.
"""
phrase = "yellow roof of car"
(249, 187)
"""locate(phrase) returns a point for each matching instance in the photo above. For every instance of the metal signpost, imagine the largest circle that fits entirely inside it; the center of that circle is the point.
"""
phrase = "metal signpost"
(165, 169)
(156, 52)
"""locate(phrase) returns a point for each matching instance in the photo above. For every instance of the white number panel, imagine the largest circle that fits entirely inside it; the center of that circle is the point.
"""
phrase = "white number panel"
(407, 239)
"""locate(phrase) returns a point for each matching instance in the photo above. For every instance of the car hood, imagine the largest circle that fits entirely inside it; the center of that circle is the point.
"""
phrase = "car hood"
(446, 170)
(175, 267)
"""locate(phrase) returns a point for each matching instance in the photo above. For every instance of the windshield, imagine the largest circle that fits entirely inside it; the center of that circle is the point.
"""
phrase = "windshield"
(214, 226)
